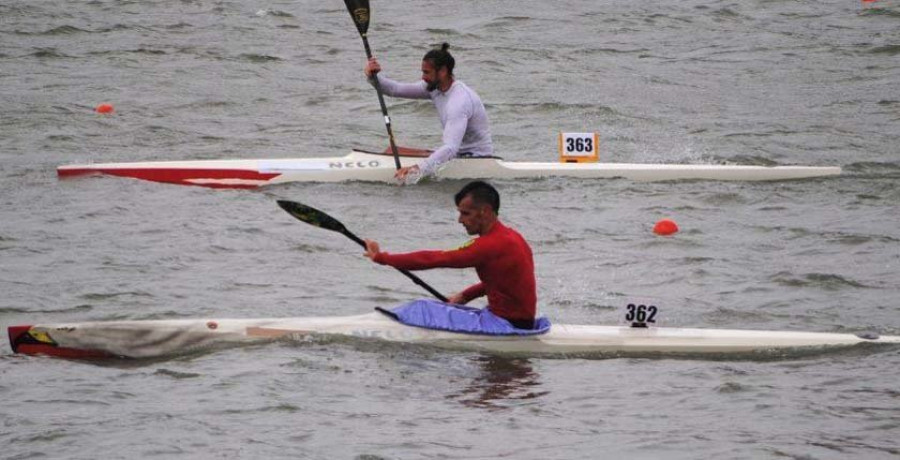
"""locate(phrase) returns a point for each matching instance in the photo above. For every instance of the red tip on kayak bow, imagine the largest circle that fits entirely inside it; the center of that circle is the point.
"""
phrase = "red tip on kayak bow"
(15, 336)
(22, 341)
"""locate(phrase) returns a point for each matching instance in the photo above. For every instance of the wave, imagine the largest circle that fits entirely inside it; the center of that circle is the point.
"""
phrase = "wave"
(258, 58)
(48, 53)
(890, 50)
(148, 51)
(77, 308)
(178, 26)
(747, 160)
(450, 32)
(176, 375)
(63, 30)
(826, 281)
(114, 295)
(549, 107)
(508, 20)
(73, 30)
(205, 104)
(727, 14)
(874, 168)
(274, 13)
(309, 248)
(845, 238)
(880, 12)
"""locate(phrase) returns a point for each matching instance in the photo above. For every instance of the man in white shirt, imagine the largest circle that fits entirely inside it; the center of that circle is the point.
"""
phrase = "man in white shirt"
(465, 122)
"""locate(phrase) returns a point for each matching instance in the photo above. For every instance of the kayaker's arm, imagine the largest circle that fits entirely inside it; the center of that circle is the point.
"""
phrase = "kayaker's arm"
(390, 87)
(473, 292)
(469, 294)
(454, 131)
(423, 260)
(396, 89)
(468, 256)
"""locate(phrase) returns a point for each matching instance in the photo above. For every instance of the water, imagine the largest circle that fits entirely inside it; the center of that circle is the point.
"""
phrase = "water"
(757, 82)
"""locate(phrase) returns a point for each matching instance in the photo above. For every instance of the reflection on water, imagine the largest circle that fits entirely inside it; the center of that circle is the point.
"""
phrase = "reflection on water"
(501, 380)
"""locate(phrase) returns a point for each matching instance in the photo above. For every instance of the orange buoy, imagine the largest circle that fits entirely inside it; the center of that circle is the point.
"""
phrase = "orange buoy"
(665, 227)
(105, 108)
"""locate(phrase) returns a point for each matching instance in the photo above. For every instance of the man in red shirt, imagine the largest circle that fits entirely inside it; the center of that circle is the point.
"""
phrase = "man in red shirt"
(501, 257)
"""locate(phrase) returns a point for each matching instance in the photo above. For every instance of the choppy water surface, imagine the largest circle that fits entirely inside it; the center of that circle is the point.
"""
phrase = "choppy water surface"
(754, 82)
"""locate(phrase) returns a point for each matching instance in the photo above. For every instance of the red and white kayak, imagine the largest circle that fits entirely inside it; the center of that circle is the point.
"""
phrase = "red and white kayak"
(379, 167)
(160, 338)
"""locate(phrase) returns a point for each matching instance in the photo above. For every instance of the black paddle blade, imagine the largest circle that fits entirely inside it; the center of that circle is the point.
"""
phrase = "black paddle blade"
(312, 216)
(359, 10)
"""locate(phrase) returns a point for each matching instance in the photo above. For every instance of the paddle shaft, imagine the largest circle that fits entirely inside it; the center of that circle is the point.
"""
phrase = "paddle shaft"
(415, 278)
(384, 111)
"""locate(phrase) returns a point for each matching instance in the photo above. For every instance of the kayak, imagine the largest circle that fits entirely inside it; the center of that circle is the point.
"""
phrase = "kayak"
(367, 166)
(161, 338)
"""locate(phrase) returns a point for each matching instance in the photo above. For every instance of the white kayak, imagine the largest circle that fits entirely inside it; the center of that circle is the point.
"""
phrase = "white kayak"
(379, 167)
(160, 338)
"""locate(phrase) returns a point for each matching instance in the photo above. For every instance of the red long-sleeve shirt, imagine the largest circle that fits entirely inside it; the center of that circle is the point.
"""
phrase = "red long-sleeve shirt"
(503, 261)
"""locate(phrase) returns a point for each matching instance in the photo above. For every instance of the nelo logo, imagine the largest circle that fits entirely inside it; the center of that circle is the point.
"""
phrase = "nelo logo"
(354, 164)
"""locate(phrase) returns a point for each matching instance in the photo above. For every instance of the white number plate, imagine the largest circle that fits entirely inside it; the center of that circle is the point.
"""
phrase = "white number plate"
(577, 147)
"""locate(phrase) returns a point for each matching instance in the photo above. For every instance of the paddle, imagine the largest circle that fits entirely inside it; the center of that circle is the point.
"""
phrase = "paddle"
(319, 219)
(360, 12)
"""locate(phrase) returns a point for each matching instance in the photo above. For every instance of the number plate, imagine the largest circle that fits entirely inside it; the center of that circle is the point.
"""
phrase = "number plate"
(641, 314)
(578, 147)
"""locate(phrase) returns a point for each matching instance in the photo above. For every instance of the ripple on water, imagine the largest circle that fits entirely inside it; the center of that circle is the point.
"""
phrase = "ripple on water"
(825, 281)
(176, 374)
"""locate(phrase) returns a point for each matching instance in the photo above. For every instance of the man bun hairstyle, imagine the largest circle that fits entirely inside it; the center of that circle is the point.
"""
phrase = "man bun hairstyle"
(482, 193)
(440, 57)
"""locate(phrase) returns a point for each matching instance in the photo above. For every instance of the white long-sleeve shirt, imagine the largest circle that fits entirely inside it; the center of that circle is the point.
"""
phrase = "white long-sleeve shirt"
(462, 116)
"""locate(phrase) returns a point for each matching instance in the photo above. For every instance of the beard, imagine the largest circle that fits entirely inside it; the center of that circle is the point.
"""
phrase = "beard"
(431, 86)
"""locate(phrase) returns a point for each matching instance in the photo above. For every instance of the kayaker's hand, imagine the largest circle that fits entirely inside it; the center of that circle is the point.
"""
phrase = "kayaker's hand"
(403, 175)
(457, 299)
(372, 249)
(372, 67)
